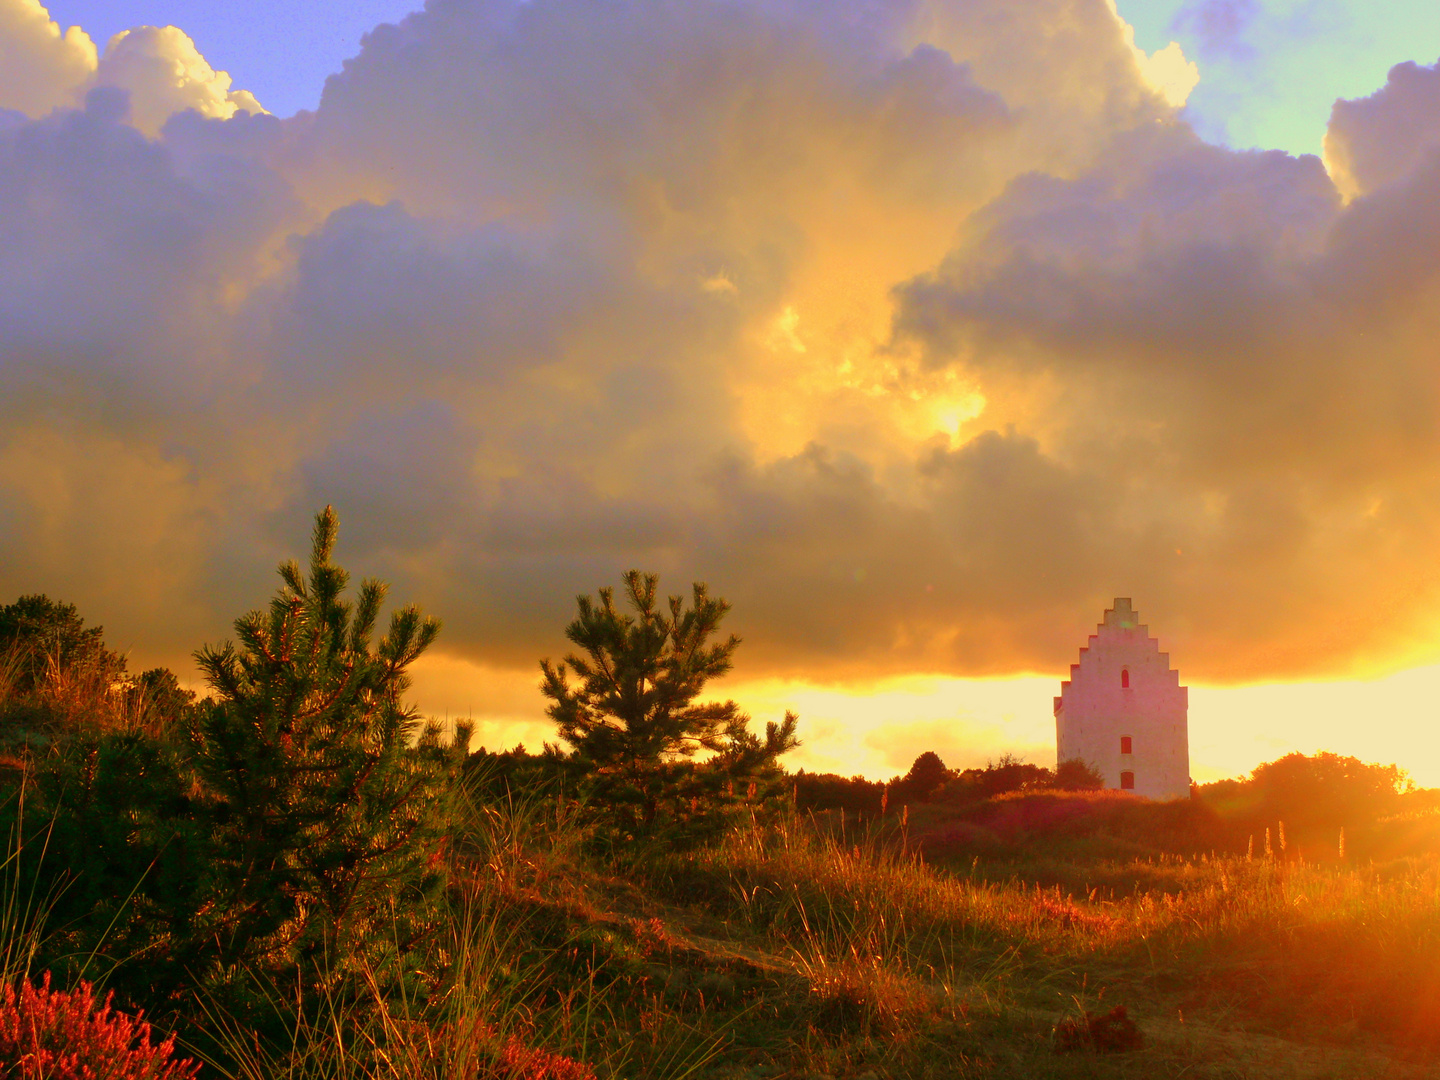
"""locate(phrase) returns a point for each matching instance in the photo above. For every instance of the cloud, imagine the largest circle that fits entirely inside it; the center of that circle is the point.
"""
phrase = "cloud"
(159, 69)
(165, 74)
(1245, 373)
(1220, 26)
(41, 66)
(1166, 71)
(1380, 139)
(919, 331)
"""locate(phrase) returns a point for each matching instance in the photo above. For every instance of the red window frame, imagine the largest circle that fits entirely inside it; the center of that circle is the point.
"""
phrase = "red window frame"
(1125, 745)
(1127, 781)
(1125, 678)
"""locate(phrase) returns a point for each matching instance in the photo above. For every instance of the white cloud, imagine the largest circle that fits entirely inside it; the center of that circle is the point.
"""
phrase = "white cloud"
(41, 66)
(1166, 71)
(160, 69)
(164, 74)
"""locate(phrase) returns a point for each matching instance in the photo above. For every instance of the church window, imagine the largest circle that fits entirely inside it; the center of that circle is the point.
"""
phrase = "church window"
(1125, 744)
(1127, 781)
(1125, 678)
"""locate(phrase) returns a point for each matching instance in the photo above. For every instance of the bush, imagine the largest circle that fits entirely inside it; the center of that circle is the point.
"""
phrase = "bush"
(324, 819)
(1315, 795)
(997, 778)
(827, 791)
(1074, 774)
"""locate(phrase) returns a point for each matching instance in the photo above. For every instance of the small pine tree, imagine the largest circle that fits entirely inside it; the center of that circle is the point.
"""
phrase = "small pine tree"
(326, 818)
(632, 717)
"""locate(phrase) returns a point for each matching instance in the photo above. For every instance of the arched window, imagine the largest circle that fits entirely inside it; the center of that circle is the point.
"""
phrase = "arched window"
(1127, 781)
(1125, 678)
(1125, 745)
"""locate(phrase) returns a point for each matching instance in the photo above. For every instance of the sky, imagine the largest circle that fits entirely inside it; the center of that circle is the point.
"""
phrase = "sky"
(919, 330)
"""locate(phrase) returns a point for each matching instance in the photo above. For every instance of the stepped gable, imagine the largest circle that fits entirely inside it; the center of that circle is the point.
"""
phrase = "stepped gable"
(1123, 710)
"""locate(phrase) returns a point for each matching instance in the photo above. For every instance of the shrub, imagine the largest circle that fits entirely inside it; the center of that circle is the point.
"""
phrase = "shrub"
(42, 632)
(287, 826)
(925, 777)
(1073, 774)
(53, 1035)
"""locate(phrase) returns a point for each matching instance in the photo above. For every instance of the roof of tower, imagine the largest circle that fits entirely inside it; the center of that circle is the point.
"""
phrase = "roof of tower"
(1122, 615)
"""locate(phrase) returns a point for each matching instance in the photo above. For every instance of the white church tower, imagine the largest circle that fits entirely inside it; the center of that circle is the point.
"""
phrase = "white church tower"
(1124, 711)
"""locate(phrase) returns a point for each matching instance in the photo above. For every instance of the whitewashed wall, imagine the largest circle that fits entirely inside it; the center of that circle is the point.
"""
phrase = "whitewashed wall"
(1095, 710)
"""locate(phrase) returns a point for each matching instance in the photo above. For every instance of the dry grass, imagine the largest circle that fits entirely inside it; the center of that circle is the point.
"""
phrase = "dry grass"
(1328, 958)
(65, 699)
(801, 951)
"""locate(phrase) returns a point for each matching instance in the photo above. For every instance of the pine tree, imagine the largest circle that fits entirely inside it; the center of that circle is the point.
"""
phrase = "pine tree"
(632, 719)
(326, 816)
(40, 634)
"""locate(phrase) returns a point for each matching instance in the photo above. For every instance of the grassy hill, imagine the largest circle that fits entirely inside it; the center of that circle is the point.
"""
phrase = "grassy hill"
(815, 947)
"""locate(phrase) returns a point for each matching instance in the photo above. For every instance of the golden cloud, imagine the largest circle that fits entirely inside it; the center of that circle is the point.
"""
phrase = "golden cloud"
(919, 331)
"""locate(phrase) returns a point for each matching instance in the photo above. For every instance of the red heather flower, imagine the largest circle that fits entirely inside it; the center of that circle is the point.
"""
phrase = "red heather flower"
(53, 1035)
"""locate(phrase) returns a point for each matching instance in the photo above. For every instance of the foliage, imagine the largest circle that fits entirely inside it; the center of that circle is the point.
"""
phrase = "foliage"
(290, 827)
(633, 722)
(1073, 774)
(41, 632)
(925, 777)
(158, 701)
(59, 681)
(997, 778)
(828, 791)
(54, 1035)
(325, 823)
(929, 781)
(1323, 789)
(123, 851)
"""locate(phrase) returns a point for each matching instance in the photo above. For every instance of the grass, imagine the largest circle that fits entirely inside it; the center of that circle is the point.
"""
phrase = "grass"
(809, 947)
(796, 949)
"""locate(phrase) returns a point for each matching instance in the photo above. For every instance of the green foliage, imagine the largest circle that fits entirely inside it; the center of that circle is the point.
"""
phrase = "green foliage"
(1321, 790)
(125, 859)
(158, 701)
(926, 775)
(1074, 774)
(324, 820)
(633, 722)
(39, 633)
(290, 828)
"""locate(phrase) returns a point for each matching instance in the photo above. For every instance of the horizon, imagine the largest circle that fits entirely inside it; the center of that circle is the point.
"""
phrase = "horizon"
(919, 337)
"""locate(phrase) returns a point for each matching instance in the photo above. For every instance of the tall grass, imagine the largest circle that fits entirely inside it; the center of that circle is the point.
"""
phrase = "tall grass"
(846, 952)
(64, 699)
(22, 911)
(1274, 945)
(527, 992)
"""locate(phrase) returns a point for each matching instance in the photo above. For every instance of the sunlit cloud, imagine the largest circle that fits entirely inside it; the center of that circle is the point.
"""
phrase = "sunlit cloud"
(158, 68)
(919, 331)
